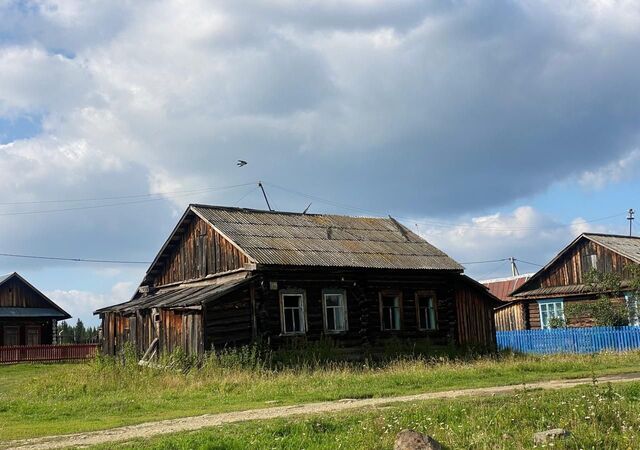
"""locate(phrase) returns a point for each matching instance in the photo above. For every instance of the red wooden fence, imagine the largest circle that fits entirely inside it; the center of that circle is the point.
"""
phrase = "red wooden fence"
(34, 353)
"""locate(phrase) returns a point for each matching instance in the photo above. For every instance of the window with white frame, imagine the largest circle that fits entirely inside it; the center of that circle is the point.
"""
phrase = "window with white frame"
(631, 300)
(334, 305)
(549, 310)
(426, 305)
(292, 306)
(390, 310)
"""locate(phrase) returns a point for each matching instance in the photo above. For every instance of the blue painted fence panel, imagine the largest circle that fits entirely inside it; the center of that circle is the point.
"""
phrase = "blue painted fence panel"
(570, 340)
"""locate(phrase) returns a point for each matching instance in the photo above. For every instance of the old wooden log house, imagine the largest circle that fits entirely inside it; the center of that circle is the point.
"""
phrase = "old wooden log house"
(229, 277)
(540, 298)
(27, 316)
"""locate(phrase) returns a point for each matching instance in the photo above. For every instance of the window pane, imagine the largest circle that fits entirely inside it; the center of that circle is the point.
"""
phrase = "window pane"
(333, 299)
(390, 302)
(296, 320)
(331, 321)
(432, 318)
(386, 317)
(396, 318)
(288, 320)
(339, 319)
(291, 301)
(423, 318)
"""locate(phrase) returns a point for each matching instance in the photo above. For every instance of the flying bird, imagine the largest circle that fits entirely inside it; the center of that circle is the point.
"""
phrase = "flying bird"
(241, 163)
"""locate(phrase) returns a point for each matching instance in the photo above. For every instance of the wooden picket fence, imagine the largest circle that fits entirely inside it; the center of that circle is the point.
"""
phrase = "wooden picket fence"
(41, 353)
(570, 340)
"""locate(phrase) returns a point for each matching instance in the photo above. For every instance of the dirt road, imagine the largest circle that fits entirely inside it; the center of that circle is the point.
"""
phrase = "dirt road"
(150, 429)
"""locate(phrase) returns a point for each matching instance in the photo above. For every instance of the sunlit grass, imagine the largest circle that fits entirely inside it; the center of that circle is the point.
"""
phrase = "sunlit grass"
(598, 417)
(50, 399)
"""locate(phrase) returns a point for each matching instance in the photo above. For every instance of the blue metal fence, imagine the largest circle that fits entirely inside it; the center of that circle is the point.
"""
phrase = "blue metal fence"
(570, 340)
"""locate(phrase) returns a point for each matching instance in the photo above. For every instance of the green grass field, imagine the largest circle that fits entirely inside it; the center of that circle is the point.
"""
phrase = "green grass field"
(37, 400)
(599, 417)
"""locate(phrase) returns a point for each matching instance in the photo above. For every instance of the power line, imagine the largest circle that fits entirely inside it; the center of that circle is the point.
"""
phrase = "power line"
(119, 197)
(84, 260)
(484, 262)
(531, 263)
(108, 205)
(440, 224)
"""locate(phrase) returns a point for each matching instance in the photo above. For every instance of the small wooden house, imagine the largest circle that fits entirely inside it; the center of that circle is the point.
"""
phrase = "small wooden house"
(561, 282)
(230, 276)
(509, 315)
(27, 316)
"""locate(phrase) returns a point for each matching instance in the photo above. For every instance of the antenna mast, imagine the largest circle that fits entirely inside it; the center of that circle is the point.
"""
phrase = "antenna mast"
(630, 219)
(265, 195)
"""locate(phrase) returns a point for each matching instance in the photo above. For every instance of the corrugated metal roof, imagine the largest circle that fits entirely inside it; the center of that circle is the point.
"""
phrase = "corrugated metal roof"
(176, 297)
(31, 312)
(573, 289)
(502, 287)
(628, 246)
(278, 238)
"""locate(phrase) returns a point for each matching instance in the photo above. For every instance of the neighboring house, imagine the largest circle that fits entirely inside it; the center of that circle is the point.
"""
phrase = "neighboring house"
(230, 276)
(509, 315)
(561, 282)
(27, 316)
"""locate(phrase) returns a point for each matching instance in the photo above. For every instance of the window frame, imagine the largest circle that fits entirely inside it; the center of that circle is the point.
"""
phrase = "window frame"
(302, 306)
(344, 307)
(398, 295)
(5, 330)
(547, 302)
(38, 332)
(432, 295)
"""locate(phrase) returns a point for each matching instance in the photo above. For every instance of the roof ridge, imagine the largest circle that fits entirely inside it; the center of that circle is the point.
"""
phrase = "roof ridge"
(623, 236)
(290, 213)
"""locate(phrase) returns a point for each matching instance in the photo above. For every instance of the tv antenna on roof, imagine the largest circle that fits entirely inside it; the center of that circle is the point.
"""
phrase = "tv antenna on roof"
(630, 219)
(265, 195)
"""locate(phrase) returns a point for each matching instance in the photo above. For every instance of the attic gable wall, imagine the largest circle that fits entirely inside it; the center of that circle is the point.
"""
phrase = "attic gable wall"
(15, 294)
(199, 251)
(570, 268)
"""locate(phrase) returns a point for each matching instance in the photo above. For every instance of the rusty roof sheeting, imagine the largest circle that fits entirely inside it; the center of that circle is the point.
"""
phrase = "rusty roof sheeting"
(502, 287)
(294, 239)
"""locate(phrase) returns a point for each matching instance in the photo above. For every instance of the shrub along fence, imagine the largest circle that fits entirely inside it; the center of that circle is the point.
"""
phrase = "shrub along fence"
(35, 353)
(570, 340)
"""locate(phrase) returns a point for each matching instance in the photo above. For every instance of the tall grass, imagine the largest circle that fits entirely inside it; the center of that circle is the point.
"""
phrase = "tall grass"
(114, 391)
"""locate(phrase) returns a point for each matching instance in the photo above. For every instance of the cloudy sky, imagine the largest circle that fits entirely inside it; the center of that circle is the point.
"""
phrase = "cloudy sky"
(493, 128)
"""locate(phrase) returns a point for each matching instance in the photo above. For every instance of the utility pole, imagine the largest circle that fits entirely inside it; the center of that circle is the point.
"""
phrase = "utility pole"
(514, 268)
(630, 219)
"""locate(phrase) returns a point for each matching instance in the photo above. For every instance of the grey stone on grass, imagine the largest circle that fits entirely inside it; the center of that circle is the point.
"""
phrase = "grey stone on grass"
(412, 440)
(543, 437)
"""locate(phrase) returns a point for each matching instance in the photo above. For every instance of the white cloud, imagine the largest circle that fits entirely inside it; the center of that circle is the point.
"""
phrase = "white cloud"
(475, 104)
(81, 304)
(525, 233)
(613, 172)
